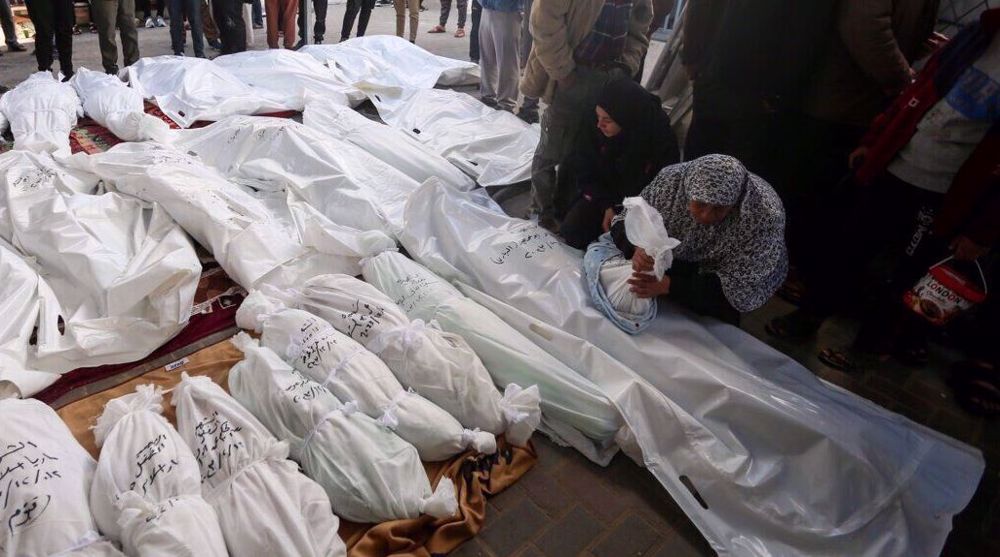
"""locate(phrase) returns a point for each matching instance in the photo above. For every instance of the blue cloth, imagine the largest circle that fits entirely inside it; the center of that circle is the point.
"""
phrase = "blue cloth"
(502, 5)
(606, 41)
(598, 253)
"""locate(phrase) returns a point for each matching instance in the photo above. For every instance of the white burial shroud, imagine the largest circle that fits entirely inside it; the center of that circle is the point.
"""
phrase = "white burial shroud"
(118, 107)
(387, 61)
(440, 366)
(574, 410)
(783, 463)
(45, 492)
(317, 350)
(493, 146)
(239, 229)
(281, 512)
(341, 181)
(191, 89)
(146, 492)
(123, 271)
(289, 75)
(390, 145)
(369, 473)
(41, 111)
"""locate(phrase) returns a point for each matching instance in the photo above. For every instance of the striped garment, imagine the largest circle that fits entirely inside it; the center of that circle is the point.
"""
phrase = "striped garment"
(606, 41)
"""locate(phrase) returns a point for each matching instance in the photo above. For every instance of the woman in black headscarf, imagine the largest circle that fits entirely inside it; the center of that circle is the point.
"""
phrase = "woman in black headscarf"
(616, 158)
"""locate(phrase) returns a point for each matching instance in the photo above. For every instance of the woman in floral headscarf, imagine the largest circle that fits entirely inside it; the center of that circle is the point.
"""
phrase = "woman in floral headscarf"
(731, 225)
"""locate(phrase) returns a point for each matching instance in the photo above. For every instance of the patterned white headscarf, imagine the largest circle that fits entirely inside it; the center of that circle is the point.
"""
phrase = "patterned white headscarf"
(747, 248)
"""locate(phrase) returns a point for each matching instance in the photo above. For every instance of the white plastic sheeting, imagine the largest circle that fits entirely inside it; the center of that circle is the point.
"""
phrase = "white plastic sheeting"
(291, 76)
(387, 61)
(244, 468)
(317, 350)
(123, 271)
(41, 111)
(493, 146)
(118, 107)
(192, 89)
(784, 463)
(338, 179)
(388, 144)
(47, 475)
(239, 229)
(147, 488)
(575, 411)
(440, 366)
(370, 474)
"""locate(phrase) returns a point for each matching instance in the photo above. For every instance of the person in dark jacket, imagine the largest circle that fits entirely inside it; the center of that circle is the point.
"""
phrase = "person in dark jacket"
(629, 145)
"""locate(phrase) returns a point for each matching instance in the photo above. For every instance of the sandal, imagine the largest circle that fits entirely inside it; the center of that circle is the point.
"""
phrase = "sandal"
(850, 360)
(797, 325)
(460, 33)
(792, 291)
(436, 29)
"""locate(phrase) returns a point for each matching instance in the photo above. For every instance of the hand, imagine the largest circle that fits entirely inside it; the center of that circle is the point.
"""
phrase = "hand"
(646, 286)
(609, 214)
(857, 157)
(642, 263)
(967, 250)
(934, 42)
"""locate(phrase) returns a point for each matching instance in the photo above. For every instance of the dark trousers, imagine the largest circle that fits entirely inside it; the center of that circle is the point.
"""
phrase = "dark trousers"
(477, 15)
(360, 9)
(147, 7)
(889, 218)
(110, 15)
(700, 292)
(446, 11)
(179, 9)
(53, 18)
(7, 23)
(228, 16)
(319, 27)
(257, 13)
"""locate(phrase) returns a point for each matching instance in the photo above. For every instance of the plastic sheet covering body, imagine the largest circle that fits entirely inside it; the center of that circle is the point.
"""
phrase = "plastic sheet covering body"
(390, 145)
(493, 146)
(440, 366)
(289, 75)
(341, 181)
(118, 107)
(575, 410)
(387, 61)
(784, 463)
(123, 271)
(47, 479)
(265, 505)
(147, 488)
(317, 350)
(41, 111)
(239, 229)
(192, 89)
(369, 473)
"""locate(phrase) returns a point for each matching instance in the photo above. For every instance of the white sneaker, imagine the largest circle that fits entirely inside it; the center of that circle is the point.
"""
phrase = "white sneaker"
(149, 23)
(160, 22)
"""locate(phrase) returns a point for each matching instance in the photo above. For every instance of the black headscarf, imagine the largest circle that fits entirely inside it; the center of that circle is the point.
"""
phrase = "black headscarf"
(612, 168)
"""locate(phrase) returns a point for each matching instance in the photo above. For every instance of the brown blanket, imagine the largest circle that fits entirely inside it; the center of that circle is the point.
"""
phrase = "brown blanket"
(476, 476)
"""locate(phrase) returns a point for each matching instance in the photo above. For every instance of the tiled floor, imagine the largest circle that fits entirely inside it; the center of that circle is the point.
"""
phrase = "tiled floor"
(568, 506)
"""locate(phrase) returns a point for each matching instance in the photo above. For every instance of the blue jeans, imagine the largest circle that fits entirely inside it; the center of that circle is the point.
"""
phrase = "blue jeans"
(191, 9)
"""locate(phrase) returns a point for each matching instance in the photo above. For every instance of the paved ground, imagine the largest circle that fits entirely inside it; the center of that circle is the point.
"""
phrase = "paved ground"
(567, 506)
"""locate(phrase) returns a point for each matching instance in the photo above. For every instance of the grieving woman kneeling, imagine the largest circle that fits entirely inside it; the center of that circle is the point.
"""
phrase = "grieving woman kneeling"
(730, 224)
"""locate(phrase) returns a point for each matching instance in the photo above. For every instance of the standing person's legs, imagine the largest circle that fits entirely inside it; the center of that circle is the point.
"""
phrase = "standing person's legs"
(257, 14)
(488, 58)
(106, 18)
(319, 27)
(414, 19)
(177, 26)
(289, 13)
(197, 21)
(463, 8)
(350, 14)
(126, 27)
(400, 6)
(524, 48)
(160, 6)
(445, 12)
(272, 22)
(7, 22)
(228, 16)
(477, 14)
(147, 9)
(65, 19)
(43, 17)
(506, 39)
(366, 13)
